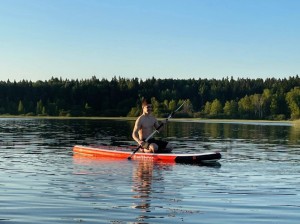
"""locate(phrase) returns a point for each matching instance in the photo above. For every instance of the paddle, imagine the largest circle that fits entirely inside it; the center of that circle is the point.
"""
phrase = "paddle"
(156, 130)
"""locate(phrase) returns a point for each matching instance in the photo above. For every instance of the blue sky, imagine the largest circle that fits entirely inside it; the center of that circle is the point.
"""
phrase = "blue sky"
(78, 39)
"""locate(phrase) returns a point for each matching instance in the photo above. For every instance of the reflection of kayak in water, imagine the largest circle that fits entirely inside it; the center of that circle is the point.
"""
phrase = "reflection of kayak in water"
(125, 152)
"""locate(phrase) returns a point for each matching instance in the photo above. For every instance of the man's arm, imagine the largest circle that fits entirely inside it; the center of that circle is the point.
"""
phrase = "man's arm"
(135, 132)
(157, 124)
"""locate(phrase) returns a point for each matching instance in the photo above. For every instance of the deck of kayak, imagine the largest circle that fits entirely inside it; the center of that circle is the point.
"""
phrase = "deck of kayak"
(125, 152)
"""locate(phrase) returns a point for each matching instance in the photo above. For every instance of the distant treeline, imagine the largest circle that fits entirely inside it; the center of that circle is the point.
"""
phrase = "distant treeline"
(275, 99)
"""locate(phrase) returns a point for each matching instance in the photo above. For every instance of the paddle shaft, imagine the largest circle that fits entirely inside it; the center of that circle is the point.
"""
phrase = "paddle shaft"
(156, 130)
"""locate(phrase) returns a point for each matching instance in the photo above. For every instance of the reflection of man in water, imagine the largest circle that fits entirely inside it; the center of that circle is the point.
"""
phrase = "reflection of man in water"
(142, 184)
(148, 183)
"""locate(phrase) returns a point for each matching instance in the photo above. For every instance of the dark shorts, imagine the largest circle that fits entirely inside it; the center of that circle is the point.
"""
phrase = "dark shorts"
(160, 143)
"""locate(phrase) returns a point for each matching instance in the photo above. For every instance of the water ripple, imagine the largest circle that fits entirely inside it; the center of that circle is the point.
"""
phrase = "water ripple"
(41, 182)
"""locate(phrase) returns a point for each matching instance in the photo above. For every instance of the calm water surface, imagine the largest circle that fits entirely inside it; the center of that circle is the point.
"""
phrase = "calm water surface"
(257, 180)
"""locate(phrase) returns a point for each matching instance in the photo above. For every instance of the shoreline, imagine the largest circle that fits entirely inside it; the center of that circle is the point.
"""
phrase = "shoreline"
(196, 120)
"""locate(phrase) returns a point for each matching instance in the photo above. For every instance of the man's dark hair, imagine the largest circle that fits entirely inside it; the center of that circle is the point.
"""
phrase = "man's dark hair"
(145, 102)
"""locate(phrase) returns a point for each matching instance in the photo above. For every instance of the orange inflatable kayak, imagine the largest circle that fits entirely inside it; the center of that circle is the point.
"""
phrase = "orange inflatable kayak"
(124, 152)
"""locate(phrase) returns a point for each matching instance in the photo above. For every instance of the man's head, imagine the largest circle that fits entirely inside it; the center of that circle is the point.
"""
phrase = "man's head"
(146, 105)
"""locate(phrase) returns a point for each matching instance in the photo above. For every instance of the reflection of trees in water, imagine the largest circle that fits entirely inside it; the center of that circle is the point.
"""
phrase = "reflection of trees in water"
(295, 133)
(105, 131)
(210, 131)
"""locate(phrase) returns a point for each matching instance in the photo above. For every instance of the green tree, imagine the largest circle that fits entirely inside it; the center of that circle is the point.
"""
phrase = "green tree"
(245, 107)
(207, 108)
(231, 108)
(134, 112)
(256, 98)
(156, 107)
(293, 100)
(203, 91)
(21, 107)
(274, 106)
(257, 101)
(216, 108)
(44, 112)
(172, 105)
(267, 97)
(39, 107)
(187, 109)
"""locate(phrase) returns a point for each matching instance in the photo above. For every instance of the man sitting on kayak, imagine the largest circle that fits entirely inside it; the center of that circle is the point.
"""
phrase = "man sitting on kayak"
(144, 126)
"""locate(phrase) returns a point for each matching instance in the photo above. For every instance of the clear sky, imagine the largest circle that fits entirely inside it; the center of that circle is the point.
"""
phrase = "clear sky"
(78, 39)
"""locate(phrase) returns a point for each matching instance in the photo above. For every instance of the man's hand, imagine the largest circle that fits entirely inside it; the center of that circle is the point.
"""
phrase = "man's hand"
(145, 145)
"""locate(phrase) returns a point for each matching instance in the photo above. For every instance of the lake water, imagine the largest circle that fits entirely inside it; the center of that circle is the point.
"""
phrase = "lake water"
(256, 181)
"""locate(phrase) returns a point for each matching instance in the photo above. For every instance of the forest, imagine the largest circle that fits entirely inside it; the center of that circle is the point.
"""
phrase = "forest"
(244, 98)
